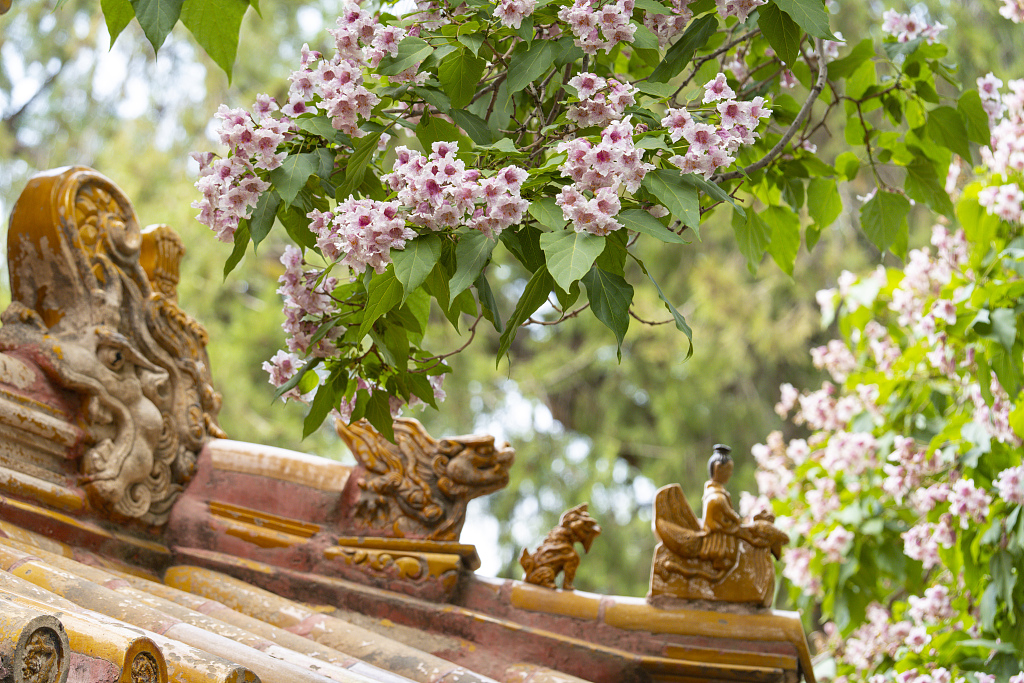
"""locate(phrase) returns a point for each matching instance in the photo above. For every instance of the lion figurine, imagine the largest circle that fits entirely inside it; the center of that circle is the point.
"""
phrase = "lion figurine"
(557, 553)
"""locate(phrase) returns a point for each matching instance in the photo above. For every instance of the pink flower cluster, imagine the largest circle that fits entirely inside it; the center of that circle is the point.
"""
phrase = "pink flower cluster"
(922, 541)
(878, 637)
(601, 170)
(797, 568)
(438, 192)
(711, 147)
(667, 26)
(1010, 484)
(601, 101)
(740, 9)
(907, 468)
(599, 26)
(908, 27)
(335, 87)
(1013, 10)
(1004, 201)
(360, 233)
(1005, 152)
(281, 368)
(512, 12)
(969, 503)
(836, 544)
(996, 417)
(933, 608)
(230, 186)
(836, 358)
(306, 305)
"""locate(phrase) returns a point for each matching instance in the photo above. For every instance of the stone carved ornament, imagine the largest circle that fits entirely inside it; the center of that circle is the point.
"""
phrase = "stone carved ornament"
(557, 553)
(418, 487)
(719, 558)
(94, 301)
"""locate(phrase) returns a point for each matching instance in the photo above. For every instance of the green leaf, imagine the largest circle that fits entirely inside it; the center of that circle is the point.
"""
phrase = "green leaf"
(434, 128)
(355, 169)
(383, 294)
(570, 255)
(946, 127)
(752, 236)
(460, 74)
(291, 176)
(215, 25)
(296, 224)
(524, 244)
(471, 255)
(678, 195)
(414, 263)
(680, 54)
(681, 323)
(782, 32)
(548, 213)
(317, 125)
(534, 296)
(241, 243)
(659, 90)
(810, 15)
(610, 298)
(528, 62)
(639, 220)
(841, 68)
(824, 203)
(325, 399)
(472, 40)
(1004, 327)
(653, 7)
(410, 51)
(157, 18)
(263, 217)
(378, 414)
(923, 185)
(474, 126)
(848, 165)
(884, 219)
(969, 106)
(117, 14)
(488, 304)
(784, 243)
(711, 189)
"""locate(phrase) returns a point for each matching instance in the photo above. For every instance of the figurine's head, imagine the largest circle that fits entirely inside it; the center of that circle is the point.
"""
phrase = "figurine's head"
(720, 464)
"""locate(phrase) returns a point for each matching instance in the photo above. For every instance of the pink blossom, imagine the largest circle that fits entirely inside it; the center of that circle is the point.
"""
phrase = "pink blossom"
(1010, 484)
(933, 608)
(1014, 11)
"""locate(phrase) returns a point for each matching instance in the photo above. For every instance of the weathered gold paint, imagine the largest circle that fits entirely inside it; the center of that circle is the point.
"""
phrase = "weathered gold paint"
(564, 603)
(30, 538)
(259, 536)
(331, 631)
(715, 656)
(410, 566)
(109, 595)
(30, 636)
(251, 624)
(278, 463)
(26, 486)
(770, 626)
(467, 552)
(266, 520)
(531, 673)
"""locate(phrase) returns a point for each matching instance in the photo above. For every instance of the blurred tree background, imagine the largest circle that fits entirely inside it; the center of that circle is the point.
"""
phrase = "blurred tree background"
(585, 426)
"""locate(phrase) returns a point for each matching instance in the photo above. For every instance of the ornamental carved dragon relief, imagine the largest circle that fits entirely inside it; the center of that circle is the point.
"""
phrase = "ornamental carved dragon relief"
(419, 486)
(94, 303)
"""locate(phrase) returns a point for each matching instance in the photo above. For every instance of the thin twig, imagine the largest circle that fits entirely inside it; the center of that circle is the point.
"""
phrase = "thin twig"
(812, 97)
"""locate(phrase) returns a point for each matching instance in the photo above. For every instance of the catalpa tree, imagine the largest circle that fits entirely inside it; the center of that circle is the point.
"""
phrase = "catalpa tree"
(904, 500)
(575, 137)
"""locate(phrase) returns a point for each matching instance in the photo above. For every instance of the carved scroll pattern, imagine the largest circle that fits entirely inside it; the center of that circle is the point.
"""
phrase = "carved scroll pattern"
(41, 662)
(83, 298)
(145, 669)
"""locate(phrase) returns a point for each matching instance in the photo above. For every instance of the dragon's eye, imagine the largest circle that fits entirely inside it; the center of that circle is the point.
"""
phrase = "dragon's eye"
(112, 357)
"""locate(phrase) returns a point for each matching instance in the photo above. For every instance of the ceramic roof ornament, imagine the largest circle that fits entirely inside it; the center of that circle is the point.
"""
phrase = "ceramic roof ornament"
(720, 558)
(168, 552)
(557, 553)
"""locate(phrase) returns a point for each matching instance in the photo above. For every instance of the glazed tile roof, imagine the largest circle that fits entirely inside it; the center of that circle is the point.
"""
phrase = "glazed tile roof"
(137, 545)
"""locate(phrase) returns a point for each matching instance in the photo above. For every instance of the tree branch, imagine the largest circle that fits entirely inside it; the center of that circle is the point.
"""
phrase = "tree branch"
(812, 97)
